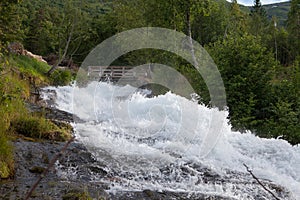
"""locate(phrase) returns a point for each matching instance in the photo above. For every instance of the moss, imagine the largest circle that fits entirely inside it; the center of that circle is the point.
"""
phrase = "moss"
(149, 193)
(4, 170)
(77, 196)
(40, 128)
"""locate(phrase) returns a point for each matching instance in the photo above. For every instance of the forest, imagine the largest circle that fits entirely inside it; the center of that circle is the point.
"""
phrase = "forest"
(258, 56)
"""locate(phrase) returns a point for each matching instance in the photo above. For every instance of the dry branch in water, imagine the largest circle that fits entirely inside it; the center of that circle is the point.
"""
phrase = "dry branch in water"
(50, 165)
(260, 183)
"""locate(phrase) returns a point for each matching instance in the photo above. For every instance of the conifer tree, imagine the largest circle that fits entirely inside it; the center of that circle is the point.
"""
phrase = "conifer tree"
(293, 26)
(238, 23)
(258, 19)
(10, 22)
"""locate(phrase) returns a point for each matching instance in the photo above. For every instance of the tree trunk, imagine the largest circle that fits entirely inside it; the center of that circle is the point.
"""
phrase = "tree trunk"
(64, 54)
(188, 20)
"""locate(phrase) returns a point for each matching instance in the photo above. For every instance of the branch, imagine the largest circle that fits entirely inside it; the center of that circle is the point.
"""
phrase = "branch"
(65, 51)
(50, 165)
(260, 183)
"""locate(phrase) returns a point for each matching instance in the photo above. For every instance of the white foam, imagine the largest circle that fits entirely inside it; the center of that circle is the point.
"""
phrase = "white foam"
(131, 132)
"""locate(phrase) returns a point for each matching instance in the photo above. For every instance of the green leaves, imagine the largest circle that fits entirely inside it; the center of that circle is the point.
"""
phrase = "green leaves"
(293, 26)
(10, 22)
(245, 67)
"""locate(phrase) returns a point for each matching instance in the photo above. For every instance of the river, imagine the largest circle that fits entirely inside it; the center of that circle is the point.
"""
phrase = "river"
(154, 143)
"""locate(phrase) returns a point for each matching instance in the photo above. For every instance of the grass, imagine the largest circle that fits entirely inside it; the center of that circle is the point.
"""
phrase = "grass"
(29, 65)
(12, 91)
(40, 128)
(17, 75)
(6, 156)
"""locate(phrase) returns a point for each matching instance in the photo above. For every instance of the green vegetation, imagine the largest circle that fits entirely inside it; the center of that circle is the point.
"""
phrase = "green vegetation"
(28, 65)
(12, 93)
(19, 75)
(77, 196)
(257, 56)
(37, 127)
(246, 73)
(279, 10)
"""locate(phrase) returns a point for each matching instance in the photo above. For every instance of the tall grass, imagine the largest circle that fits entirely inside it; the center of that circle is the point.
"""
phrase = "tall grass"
(28, 65)
(12, 92)
(14, 89)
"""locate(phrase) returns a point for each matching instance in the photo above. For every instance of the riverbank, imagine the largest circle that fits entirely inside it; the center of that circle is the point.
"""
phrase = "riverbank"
(20, 80)
(78, 174)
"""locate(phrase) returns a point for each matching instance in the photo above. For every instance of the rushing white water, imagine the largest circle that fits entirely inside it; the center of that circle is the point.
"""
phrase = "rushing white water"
(147, 142)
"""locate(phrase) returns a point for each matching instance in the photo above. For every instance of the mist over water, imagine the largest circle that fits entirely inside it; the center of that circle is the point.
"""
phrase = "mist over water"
(154, 143)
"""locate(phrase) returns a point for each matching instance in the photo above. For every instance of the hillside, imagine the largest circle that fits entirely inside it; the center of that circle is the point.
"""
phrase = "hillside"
(280, 10)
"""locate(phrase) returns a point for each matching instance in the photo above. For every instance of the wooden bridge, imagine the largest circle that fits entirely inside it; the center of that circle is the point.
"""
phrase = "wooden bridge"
(117, 73)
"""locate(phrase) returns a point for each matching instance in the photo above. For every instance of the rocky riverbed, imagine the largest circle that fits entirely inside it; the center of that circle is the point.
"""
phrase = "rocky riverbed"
(77, 174)
(73, 177)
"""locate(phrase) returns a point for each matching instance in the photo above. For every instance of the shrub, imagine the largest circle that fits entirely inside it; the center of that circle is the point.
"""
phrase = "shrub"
(61, 77)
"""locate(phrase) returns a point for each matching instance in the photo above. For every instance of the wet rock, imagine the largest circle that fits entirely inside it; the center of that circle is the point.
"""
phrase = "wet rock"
(52, 113)
(37, 169)
(30, 162)
(77, 173)
(153, 195)
(98, 170)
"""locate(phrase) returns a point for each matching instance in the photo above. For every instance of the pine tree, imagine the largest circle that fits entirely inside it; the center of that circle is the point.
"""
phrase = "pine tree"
(258, 19)
(10, 22)
(258, 9)
(238, 22)
(293, 26)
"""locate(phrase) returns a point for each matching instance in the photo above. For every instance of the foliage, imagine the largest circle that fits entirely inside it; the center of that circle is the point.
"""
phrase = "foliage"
(246, 68)
(61, 77)
(41, 128)
(258, 19)
(10, 28)
(258, 59)
(293, 26)
(12, 91)
(62, 27)
(29, 66)
(284, 117)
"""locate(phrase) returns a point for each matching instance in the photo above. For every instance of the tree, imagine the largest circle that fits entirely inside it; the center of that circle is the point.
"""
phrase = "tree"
(70, 31)
(237, 22)
(246, 68)
(40, 38)
(258, 19)
(293, 27)
(210, 28)
(284, 109)
(10, 22)
(258, 9)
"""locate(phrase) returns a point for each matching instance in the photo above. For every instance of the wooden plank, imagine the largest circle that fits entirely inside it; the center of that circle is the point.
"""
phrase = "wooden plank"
(115, 73)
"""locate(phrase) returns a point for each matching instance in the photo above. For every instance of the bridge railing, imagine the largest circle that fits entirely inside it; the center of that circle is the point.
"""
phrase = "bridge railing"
(114, 73)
